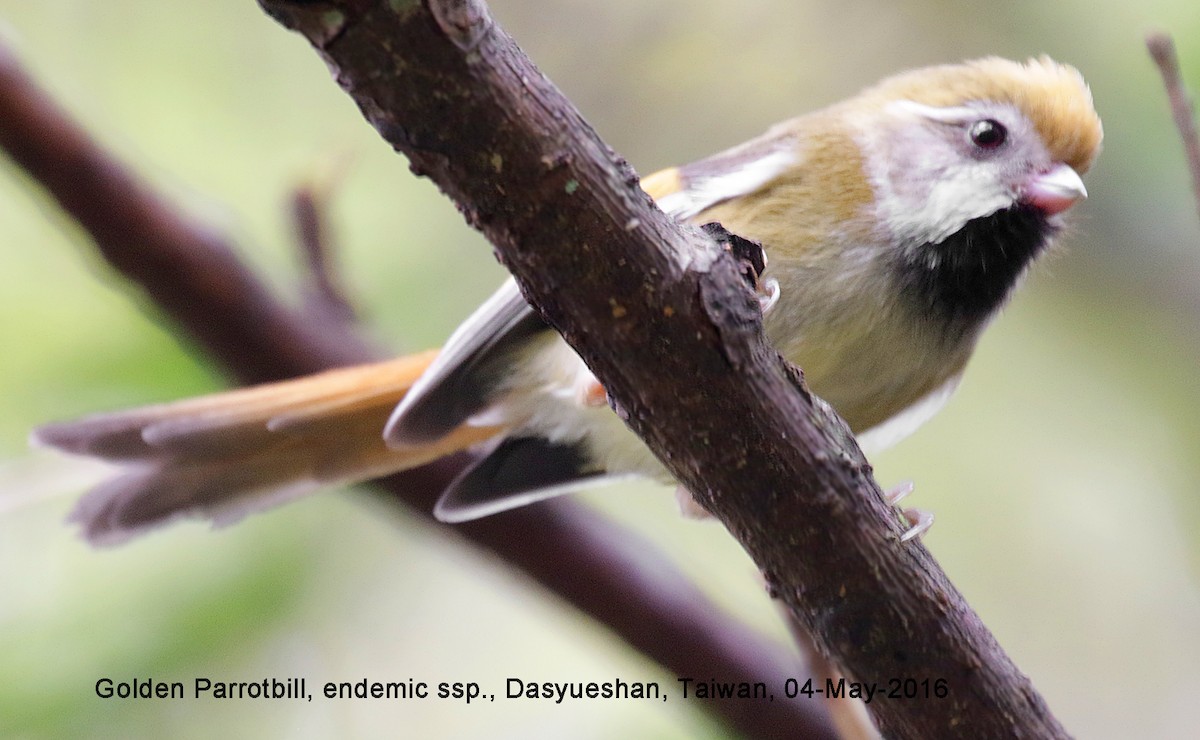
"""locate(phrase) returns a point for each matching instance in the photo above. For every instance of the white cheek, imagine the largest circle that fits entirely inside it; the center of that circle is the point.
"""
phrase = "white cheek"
(926, 203)
(954, 201)
(925, 190)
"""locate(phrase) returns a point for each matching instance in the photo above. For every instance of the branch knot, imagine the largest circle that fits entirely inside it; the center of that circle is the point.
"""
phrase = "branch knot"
(465, 22)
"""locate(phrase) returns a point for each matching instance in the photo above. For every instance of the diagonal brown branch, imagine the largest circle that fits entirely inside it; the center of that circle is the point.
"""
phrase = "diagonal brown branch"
(693, 375)
(187, 268)
(192, 274)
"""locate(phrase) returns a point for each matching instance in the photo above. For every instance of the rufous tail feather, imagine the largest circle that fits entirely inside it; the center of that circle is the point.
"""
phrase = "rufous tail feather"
(227, 454)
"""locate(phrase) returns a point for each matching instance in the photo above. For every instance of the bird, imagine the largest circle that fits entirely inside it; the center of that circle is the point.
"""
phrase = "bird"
(894, 224)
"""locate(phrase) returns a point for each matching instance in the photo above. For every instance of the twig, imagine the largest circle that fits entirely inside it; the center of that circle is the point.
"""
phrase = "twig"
(327, 295)
(188, 269)
(693, 374)
(1162, 50)
(192, 274)
(849, 715)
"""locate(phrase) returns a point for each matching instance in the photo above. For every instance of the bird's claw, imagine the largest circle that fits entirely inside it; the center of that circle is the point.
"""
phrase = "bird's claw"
(919, 521)
(898, 492)
(689, 507)
(592, 395)
(768, 294)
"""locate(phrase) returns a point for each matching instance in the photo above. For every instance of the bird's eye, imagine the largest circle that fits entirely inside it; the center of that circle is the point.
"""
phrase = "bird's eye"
(988, 133)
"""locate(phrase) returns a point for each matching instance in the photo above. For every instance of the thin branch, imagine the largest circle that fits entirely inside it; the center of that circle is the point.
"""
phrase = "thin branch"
(192, 274)
(849, 715)
(693, 375)
(309, 206)
(185, 266)
(1162, 50)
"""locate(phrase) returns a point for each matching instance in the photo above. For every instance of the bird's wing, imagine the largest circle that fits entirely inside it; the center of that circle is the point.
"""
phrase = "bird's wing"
(685, 192)
(466, 377)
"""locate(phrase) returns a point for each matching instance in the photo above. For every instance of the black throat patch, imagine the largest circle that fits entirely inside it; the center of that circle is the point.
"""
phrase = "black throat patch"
(966, 277)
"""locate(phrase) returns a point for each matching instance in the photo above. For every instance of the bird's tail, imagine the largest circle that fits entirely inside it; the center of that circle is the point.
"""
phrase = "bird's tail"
(224, 455)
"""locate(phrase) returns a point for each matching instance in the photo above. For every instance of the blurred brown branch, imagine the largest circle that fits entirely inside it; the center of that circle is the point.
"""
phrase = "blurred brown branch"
(1162, 50)
(698, 382)
(191, 273)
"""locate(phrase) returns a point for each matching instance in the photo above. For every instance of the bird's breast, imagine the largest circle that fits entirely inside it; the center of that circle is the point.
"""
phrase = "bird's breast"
(863, 345)
(965, 278)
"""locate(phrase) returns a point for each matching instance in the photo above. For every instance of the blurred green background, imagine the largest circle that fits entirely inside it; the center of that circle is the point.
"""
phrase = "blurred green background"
(1064, 475)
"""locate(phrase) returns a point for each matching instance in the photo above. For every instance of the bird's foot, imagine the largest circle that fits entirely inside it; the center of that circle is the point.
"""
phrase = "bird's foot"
(919, 520)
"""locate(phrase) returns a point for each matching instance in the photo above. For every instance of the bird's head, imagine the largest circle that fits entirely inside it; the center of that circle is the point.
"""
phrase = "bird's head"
(945, 145)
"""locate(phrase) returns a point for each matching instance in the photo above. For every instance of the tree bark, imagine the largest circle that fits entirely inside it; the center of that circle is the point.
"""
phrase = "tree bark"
(191, 272)
(665, 322)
